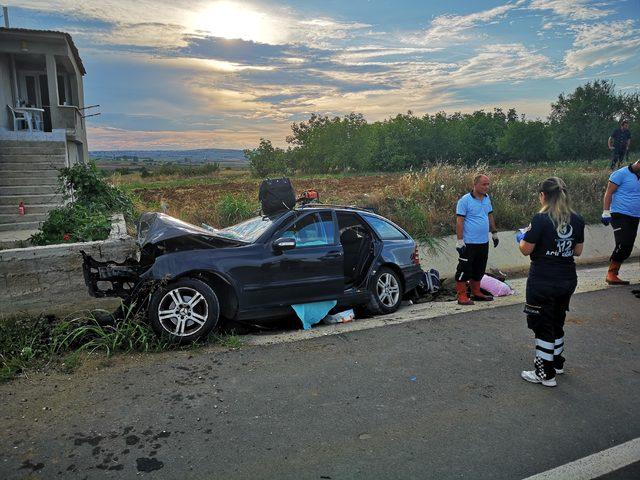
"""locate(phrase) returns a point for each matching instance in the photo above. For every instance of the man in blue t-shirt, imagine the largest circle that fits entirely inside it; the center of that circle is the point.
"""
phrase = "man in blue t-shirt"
(618, 143)
(474, 221)
(622, 211)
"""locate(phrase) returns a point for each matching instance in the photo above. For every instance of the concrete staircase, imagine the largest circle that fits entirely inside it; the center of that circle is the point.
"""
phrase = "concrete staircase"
(28, 174)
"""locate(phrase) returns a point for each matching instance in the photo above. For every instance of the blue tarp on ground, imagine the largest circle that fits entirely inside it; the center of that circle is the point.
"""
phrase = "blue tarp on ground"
(311, 313)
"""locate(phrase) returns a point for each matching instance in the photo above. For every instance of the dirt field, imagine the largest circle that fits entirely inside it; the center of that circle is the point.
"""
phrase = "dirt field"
(422, 202)
(196, 203)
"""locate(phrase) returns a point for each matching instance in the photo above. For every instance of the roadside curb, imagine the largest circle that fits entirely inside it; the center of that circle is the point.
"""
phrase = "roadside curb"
(589, 280)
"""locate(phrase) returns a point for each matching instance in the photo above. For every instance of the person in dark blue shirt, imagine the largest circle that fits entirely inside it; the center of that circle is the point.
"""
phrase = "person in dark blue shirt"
(554, 236)
(618, 143)
(473, 223)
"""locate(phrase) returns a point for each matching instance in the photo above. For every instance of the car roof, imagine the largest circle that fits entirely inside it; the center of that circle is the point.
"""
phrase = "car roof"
(331, 206)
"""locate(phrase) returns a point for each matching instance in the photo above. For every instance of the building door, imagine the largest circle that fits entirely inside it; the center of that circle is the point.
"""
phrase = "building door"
(44, 95)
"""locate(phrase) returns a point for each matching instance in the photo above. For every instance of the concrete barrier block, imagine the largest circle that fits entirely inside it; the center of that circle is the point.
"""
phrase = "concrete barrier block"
(598, 245)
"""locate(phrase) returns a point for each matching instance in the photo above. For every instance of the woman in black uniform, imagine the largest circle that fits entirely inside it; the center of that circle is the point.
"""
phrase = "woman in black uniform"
(554, 237)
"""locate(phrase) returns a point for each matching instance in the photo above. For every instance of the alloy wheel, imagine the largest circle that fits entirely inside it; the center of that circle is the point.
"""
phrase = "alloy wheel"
(183, 311)
(388, 290)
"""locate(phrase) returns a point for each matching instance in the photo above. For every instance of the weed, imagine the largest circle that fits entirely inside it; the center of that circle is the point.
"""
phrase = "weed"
(85, 333)
(23, 344)
(71, 362)
(232, 209)
(226, 340)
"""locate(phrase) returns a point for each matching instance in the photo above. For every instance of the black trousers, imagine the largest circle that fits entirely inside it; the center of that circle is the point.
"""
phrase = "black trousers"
(547, 303)
(625, 230)
(473, 262)
(617, 158)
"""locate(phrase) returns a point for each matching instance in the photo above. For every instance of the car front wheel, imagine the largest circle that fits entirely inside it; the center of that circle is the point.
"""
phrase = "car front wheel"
(184, 310)
(386, 292)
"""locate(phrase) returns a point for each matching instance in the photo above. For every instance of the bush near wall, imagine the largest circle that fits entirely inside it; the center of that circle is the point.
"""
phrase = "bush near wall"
(87, 216)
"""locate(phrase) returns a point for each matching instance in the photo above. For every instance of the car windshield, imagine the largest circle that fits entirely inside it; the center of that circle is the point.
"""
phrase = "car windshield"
(248, 231)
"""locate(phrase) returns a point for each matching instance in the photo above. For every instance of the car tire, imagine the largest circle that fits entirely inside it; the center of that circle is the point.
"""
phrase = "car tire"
(385, 291)
(184, 311)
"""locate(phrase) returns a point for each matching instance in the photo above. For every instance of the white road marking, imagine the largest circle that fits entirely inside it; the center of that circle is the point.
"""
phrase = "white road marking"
(595, 465)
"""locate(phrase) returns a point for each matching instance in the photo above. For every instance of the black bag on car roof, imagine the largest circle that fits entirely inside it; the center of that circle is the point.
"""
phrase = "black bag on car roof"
(276, 195)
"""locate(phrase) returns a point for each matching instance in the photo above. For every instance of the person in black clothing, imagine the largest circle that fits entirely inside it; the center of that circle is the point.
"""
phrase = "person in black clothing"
(618, 143)
(554, 236)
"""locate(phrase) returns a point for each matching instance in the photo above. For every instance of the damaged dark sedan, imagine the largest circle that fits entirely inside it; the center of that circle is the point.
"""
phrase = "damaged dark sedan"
(190, 279)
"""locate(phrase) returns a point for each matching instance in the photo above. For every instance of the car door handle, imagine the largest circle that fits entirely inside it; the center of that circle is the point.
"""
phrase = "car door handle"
(329, 255)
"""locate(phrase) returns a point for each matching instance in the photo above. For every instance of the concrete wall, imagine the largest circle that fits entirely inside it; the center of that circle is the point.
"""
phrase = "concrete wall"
(49, 279)
(6, 96)
(598, 245)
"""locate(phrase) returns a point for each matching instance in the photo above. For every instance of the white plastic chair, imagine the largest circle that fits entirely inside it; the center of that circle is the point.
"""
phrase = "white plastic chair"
(19, 117)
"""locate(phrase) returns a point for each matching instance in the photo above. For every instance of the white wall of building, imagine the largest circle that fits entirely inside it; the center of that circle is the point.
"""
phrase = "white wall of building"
(6, 97)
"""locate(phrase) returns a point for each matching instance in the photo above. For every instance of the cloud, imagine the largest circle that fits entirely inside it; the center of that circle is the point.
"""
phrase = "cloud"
(602, 44)
(572, 9)
(448, 28)
(503, 63)
(166, 22)
(237, 136)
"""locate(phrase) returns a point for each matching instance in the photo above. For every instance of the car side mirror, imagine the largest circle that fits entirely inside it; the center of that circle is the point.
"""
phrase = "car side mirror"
(284, 243)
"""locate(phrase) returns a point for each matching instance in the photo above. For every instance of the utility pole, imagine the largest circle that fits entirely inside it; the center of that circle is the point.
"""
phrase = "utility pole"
(5, 15)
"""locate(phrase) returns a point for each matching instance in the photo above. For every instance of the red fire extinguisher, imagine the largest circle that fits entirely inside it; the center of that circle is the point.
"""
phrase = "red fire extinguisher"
(21, 208)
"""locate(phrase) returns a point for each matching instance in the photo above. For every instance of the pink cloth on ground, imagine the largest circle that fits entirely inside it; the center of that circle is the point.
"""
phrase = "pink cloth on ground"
(495, 287)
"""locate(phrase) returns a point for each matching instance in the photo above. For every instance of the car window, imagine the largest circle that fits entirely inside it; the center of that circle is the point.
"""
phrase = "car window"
(247, 231)
(311, 231)
(384, 229)
(327, 224)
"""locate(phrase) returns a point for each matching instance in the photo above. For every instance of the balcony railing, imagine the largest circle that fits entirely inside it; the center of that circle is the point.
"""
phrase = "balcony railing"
(71, 118)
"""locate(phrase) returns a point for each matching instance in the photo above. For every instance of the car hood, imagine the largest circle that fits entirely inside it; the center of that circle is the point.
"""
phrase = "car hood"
(156, 227)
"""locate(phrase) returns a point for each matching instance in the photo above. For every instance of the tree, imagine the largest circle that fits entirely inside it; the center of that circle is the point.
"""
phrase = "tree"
(523, 140)
(266, 159)
(581, 121)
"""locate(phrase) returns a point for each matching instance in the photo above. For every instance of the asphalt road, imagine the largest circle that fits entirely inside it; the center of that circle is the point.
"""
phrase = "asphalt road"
(438, 398)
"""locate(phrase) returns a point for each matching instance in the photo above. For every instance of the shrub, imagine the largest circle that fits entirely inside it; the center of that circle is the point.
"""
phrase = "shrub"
(73, 223)
(232, 209)
(88, 216)
(84, 184)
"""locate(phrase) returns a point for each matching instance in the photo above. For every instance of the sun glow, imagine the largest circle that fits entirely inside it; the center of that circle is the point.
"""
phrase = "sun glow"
(232, 21)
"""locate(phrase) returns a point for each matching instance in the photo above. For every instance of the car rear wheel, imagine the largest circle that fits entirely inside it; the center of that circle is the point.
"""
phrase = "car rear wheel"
(386, 292)
(184, 310)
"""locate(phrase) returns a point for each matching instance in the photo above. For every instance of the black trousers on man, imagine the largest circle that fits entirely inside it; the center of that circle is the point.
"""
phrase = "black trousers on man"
(617, 158)
(625, 230)
(547, 303)
(473, 262)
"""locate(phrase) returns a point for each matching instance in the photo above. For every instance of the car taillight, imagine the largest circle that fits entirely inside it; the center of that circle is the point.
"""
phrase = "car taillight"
(415, 256)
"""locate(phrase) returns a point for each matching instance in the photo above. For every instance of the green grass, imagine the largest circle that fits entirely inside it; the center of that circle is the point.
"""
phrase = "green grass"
(146, 184)
(39, 343)
(227, 340)
(232, 209)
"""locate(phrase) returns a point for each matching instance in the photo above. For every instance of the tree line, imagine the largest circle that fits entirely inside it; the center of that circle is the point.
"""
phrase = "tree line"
(577, 128)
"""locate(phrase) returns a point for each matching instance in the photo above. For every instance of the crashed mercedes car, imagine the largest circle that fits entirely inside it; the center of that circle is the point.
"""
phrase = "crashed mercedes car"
(190, 279)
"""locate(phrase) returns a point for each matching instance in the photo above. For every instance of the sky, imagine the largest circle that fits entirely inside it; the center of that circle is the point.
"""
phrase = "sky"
(185, 74)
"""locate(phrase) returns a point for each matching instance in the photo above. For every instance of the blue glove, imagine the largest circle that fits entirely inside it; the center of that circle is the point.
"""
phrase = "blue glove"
(606, 217)
(520, 235)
